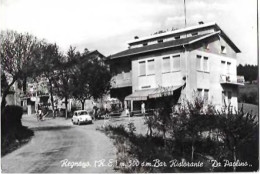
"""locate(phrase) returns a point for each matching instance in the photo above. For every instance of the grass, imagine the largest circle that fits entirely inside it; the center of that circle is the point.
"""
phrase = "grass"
(248, 94)
(248, 88)
(249, 108)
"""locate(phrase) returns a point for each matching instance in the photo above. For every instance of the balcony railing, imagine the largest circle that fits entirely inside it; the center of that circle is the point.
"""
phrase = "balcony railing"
(121, 80)
(232, 79)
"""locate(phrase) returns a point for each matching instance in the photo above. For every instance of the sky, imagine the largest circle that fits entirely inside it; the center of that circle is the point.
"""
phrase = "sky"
(107, 25)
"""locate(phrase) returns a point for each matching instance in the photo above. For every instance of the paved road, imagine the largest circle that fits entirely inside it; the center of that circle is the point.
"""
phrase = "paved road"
(60, 147)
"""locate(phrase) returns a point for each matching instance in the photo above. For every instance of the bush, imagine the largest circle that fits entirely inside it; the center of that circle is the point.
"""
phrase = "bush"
(11, 118)
(13, 133)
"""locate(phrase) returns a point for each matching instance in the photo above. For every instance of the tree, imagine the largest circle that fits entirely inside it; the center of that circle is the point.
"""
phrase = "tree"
(237, 128)
(48, 63)
(63, 79)
(91, 78)
(250, 72)
(19, 53)
(191, 118)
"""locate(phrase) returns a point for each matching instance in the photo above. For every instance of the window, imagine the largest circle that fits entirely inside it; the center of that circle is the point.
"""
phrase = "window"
(150, 67)
(206, 64)
(223, 98)
(142, 68)
(198, 61)
(228, 67)
(229, 97)
(206, 95)
(223, 64)
(144, 44)
(160, 41)
(177, 37)
(166, 64)
(176, 63)
(223, 50)
(194, 34)
(199, 93)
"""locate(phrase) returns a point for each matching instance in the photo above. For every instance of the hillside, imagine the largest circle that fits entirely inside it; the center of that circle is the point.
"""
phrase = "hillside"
(248, 94)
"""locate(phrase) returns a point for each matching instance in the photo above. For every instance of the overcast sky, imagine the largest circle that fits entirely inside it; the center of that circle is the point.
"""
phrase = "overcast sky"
(107, 25)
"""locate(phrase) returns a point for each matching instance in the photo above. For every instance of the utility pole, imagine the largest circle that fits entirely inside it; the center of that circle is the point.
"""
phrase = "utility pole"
(185, 13)
(257, 28)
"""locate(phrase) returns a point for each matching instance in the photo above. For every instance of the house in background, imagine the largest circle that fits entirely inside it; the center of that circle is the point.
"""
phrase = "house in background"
(178, 64)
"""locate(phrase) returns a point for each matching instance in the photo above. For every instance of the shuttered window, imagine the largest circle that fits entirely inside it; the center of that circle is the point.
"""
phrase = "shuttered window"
(176, 63)
(166, 64)
(142, 69)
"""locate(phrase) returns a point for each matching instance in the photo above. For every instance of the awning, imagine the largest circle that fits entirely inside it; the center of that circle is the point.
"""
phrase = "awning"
(152, 93)
(164, 91)
(139, 95)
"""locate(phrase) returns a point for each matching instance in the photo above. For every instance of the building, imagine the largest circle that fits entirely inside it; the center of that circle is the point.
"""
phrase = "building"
(197, 60)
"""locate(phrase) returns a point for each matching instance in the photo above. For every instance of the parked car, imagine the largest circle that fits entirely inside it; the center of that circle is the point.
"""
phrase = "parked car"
(81, 116)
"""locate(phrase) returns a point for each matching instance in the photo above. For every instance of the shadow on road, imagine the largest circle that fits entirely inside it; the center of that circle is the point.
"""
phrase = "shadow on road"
(50, 128)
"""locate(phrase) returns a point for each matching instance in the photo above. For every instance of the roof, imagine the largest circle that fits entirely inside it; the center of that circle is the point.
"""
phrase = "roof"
(95, 52)
(174, 32)
(161, 46)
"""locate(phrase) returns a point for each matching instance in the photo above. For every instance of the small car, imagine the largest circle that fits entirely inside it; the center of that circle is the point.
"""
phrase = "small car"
(81, 116)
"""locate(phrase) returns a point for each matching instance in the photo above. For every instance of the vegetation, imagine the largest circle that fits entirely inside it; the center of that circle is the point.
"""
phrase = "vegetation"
(248, 94)
(19, 53)
(250, 72)
(13, 134)
(195, 132)
(91, 78)
(48, 62)
(250, 108)
(25, 57)
(79, 75)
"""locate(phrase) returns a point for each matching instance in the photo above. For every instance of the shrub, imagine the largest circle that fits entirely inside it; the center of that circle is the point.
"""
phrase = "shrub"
(131, 127)
(11, 118)
(238, 129)
(150, 121)
(13, 133)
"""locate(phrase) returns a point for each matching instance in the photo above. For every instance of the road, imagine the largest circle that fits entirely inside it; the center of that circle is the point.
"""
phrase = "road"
(60, 147)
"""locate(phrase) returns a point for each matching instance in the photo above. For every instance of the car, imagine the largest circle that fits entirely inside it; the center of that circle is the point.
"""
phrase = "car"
(81, 116)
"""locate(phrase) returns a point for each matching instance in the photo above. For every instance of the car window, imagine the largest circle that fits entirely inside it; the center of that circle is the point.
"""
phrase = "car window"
(83, 113)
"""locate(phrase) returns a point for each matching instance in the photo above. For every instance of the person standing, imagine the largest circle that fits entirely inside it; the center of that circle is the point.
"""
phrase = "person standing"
(143, 108)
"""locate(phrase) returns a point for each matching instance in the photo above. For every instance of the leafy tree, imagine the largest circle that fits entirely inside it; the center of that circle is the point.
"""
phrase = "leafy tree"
(63, 78)
(237, 129)
(19, 53)
(48, 63)
(192, 118)
(91, 78)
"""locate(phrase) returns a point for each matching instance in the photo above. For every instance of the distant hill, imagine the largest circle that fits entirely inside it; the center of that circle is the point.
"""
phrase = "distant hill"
(250, 72)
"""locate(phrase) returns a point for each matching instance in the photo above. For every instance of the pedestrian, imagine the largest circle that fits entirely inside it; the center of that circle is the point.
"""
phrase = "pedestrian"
(105, 108)
(143, 108)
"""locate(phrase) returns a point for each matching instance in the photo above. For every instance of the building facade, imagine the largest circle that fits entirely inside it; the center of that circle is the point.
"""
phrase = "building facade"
(199, 60)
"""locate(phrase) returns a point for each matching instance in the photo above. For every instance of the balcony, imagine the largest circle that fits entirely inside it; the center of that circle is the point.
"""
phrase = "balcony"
(122, 80)
(232, 79)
